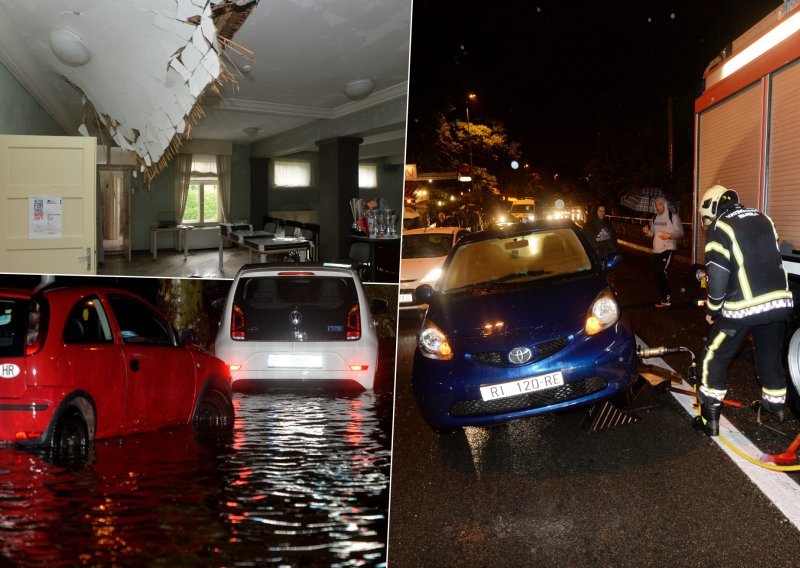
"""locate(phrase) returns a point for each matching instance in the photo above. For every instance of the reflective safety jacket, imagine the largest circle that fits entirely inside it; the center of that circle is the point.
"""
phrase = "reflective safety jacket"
(746, 277)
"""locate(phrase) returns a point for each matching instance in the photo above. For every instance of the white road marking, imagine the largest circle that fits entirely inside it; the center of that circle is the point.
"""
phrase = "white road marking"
(775, 485)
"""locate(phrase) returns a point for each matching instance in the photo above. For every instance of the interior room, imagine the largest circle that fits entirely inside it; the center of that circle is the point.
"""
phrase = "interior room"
(219, 127)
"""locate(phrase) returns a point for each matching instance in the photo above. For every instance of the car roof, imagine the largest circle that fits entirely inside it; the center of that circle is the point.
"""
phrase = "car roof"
(519, 229)
(425, 230)
(270, 269)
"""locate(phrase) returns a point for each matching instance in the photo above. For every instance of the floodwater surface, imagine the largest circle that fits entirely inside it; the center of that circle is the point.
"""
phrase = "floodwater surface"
(303, 479)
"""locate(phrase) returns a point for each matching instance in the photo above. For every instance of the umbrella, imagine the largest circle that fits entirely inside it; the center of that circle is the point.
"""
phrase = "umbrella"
(409, 213)
(644, 200)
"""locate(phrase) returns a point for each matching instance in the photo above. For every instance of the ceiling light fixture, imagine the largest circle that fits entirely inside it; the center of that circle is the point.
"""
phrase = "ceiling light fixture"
(69, 48)
(251, 130)
(359, 89)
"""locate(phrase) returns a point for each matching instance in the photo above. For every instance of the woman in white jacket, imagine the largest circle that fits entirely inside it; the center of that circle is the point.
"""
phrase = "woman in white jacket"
(665, 229)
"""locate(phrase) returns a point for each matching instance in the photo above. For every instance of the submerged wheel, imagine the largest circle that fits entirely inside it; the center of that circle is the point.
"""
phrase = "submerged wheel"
(215, 410)
(70, 435)
(792, 358)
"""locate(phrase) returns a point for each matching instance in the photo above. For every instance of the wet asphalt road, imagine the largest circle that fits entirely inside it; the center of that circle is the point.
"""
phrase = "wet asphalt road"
(544, 491)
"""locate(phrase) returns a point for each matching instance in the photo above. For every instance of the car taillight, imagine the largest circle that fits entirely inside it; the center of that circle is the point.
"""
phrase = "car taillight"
(37, 324)
(237, 323)
(354, 323)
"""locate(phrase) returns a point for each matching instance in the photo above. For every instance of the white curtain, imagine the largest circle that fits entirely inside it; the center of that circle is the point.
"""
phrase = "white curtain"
(224, 185)
(183, 176)
(292, 174)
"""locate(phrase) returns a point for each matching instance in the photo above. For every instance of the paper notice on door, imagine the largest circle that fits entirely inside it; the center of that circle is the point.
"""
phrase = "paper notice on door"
(45, 217)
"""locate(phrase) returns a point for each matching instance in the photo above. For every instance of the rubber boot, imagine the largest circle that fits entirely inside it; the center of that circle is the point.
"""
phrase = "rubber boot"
(708, 421)
(776, 409)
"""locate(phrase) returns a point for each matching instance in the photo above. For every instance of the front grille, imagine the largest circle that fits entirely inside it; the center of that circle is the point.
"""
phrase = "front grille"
(569, 391)
(540, 351)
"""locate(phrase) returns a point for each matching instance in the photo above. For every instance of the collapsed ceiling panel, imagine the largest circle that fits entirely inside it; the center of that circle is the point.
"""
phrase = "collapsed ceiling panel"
(141, 65)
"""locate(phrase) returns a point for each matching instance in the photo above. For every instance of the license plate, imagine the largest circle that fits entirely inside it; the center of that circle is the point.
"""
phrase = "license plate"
(295, 361)
(406, 298)
(522, 386)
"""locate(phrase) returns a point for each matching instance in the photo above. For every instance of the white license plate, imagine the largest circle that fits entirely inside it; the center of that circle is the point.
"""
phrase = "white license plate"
(295, 361)
(406, 298)
(522, 386)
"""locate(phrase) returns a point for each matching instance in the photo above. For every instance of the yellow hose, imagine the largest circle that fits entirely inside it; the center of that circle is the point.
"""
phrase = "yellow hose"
(740, 453)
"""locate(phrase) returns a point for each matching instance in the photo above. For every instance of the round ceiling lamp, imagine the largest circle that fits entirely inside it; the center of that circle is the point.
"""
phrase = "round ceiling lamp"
(69, 48)
(359, 89)
(251, 130)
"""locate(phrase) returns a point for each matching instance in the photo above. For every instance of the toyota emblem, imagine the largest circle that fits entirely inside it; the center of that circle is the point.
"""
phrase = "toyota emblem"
(295, 317)
(519, 355)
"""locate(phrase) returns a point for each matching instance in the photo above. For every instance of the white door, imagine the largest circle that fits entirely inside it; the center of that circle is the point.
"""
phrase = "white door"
(47, 204)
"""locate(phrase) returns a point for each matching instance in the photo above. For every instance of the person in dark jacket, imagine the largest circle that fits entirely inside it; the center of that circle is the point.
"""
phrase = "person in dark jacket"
(748, 294)
(600, 232)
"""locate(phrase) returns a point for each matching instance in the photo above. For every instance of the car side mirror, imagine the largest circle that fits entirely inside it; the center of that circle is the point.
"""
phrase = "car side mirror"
(424, 293)
(378, 306)
(612, 262)
(187, 337)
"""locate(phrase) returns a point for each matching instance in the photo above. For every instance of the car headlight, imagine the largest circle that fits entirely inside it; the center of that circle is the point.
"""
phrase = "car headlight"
(501, 219)
(531, 218)
(432, 276)
(603, 313)
(433, 342)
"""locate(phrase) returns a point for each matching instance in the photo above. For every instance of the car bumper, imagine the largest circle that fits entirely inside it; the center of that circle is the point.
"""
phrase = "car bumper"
(366, 379)
(24, 421)
(448, 403)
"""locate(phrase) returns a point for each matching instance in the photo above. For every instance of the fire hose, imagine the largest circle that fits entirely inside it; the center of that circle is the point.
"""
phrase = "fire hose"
(773, 462)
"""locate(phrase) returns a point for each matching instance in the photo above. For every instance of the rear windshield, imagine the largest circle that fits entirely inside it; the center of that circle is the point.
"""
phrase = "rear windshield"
(523, 208)
(428, 245)
(297, 308)
(20, 322)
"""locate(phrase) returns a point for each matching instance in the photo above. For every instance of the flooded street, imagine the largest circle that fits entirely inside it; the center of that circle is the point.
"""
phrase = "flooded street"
(302, 480)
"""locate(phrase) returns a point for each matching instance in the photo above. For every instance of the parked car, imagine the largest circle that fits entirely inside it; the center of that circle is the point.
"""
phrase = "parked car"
(424, 252)
(522, 322)
(308, 324)
(84, 363)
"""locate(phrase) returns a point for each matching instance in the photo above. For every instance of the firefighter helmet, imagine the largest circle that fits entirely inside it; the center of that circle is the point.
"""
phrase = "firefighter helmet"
(712, 199)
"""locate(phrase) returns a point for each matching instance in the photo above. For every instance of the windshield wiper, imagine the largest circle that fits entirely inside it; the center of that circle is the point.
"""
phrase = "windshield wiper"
(493, 283)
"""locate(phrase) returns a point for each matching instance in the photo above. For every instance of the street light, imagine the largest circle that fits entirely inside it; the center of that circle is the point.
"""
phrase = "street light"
(470, 97)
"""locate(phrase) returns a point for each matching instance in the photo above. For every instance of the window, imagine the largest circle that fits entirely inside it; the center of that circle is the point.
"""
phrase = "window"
(202, 200)
(138, 323)
(87, 323)
(292, 173)
(368, 176)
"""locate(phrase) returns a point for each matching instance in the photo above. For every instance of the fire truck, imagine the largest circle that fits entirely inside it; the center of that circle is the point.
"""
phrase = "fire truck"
(747, 138)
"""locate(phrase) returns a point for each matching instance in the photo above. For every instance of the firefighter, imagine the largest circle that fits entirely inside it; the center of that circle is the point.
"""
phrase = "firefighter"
(748, 294)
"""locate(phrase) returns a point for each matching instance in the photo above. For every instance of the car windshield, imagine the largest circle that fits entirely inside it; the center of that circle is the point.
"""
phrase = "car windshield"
(522, 208)
(514, 259)
(427, 245)
(18, 321)
(297, 308)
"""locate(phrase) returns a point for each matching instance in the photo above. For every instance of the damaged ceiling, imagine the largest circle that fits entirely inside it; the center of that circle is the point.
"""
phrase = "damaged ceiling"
(148, 63)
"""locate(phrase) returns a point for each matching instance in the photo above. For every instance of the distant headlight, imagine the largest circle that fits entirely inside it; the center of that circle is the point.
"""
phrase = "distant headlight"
(501, 219)
(603, 314)
(432, 276)
(433, 342)
(531, 218)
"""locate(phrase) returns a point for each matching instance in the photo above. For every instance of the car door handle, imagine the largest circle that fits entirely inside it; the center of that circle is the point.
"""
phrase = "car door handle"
(134, 365)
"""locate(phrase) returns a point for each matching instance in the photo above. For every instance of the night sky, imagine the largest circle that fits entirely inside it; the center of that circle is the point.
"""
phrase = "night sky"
(564, 75)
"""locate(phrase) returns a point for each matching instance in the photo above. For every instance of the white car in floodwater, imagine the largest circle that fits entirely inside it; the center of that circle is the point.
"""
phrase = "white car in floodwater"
(301, 324)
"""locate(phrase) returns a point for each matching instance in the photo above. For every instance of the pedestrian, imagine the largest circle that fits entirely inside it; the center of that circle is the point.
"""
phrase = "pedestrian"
(748, 294)
(665, 229)
(442, 220)
(600, 232)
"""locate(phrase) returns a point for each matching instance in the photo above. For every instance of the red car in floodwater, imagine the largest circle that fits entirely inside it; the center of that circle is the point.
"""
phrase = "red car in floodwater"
(82, 363)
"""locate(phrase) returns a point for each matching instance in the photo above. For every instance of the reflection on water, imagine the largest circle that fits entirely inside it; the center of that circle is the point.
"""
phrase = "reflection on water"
(303, 480)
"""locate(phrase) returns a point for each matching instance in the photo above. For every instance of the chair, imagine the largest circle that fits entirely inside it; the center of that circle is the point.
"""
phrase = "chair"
(310, 232)
(358, 256)
(271, 224)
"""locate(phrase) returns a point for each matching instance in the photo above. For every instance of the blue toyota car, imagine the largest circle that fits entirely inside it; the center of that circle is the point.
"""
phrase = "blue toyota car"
(522, 322)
